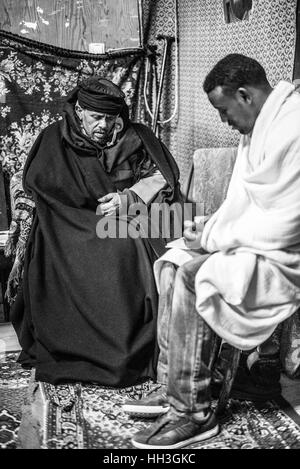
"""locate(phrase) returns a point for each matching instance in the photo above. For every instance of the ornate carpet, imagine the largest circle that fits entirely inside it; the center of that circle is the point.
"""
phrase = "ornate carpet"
(13, 390)
(88, 416)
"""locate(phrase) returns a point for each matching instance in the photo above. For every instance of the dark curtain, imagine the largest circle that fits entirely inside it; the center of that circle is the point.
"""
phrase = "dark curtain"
(296, 74)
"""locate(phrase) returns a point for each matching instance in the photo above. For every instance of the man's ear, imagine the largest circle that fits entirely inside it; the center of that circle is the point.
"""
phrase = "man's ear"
(119, 124)
(78, 110)
(118, 127)
(244, 94)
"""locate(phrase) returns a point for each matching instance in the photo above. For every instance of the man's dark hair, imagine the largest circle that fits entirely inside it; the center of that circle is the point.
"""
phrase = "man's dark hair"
(233, 71)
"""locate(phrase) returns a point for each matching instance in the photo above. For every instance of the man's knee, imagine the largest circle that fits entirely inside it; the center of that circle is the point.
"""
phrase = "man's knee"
(166, 279)
(186, 276)
(168, 267)
(187, 272)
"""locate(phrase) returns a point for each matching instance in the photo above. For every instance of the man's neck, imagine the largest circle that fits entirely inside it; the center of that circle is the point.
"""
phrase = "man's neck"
(262, 96)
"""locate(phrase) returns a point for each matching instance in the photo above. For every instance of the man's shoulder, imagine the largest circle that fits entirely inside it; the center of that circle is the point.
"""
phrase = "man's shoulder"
(294, 102)
(51, 131)
(142, 129)
(53, 127)
(289, 114)
(285, 128)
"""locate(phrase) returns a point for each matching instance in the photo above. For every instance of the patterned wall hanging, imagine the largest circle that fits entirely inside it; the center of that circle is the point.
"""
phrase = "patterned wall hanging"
(35, 80)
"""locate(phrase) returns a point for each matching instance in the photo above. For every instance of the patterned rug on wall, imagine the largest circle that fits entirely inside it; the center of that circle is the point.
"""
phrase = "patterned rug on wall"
(90, 416)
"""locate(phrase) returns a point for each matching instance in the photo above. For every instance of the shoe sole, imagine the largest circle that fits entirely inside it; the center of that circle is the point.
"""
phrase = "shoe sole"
(181, 444)
(141, 411)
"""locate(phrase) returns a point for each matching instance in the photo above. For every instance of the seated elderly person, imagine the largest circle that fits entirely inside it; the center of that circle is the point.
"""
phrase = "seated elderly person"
(245, 278)
(88, 303)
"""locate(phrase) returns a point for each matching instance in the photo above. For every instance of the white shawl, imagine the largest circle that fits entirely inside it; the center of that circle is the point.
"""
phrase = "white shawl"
(251, 282)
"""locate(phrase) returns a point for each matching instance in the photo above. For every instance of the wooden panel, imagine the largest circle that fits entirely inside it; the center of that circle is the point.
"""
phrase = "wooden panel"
(296, 73)
(73, 24)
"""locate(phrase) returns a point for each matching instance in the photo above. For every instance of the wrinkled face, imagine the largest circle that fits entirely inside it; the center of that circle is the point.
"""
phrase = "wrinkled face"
(235, 109)
(97, 126)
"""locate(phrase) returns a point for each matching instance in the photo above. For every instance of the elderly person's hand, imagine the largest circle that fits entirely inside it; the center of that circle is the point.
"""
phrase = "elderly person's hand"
(109, 203)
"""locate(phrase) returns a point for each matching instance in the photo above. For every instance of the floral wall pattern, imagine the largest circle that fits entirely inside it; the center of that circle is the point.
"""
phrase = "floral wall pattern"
(34, 81)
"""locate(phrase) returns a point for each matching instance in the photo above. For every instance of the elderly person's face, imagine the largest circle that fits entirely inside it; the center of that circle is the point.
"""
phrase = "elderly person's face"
(98, 126)
(236, 109)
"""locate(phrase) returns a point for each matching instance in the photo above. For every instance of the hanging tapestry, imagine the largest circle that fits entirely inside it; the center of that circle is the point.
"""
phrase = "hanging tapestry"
(35, 78)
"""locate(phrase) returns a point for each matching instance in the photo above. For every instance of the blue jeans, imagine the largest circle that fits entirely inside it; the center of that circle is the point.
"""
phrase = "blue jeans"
(185, 340)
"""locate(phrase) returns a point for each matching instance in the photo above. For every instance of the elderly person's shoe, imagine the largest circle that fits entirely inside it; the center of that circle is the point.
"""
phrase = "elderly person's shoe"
(174, 431)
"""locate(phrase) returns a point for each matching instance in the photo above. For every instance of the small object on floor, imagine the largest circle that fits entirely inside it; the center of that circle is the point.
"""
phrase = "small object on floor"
(257, 378)
(152, 405)
(172, 431)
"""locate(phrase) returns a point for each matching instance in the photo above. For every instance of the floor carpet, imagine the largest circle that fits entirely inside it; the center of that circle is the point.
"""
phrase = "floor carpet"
(88, 416)
(13, 390)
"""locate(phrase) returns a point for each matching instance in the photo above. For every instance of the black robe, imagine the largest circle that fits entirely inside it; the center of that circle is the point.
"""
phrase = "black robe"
(87, 308)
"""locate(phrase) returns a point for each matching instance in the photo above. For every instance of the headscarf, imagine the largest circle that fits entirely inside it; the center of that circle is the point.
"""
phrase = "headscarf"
(101, 95)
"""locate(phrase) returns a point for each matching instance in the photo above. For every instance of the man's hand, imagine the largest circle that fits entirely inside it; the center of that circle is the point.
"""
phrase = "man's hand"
(191, 235)
(109, 204)
(193, 231)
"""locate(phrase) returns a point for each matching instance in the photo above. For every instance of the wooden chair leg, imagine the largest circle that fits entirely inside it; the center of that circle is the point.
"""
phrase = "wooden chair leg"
(216, 346)
(230, 373)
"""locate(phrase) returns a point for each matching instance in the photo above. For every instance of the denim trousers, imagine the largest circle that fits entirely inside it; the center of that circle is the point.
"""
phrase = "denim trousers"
(184, 339)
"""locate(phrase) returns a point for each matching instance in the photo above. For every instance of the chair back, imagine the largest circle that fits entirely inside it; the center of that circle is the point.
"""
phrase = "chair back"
(209, 177)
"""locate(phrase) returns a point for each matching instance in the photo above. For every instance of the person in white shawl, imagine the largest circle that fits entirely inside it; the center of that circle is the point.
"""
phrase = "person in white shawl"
(249, 279)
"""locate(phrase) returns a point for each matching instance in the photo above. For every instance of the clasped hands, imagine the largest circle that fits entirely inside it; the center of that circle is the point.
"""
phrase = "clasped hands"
(110, 203)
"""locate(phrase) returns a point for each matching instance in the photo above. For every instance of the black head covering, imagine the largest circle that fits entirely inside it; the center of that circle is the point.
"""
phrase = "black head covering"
(101, 95)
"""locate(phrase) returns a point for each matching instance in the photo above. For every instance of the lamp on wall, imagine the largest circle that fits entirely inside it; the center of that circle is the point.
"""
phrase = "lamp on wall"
(241, 8)
(236, 10)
